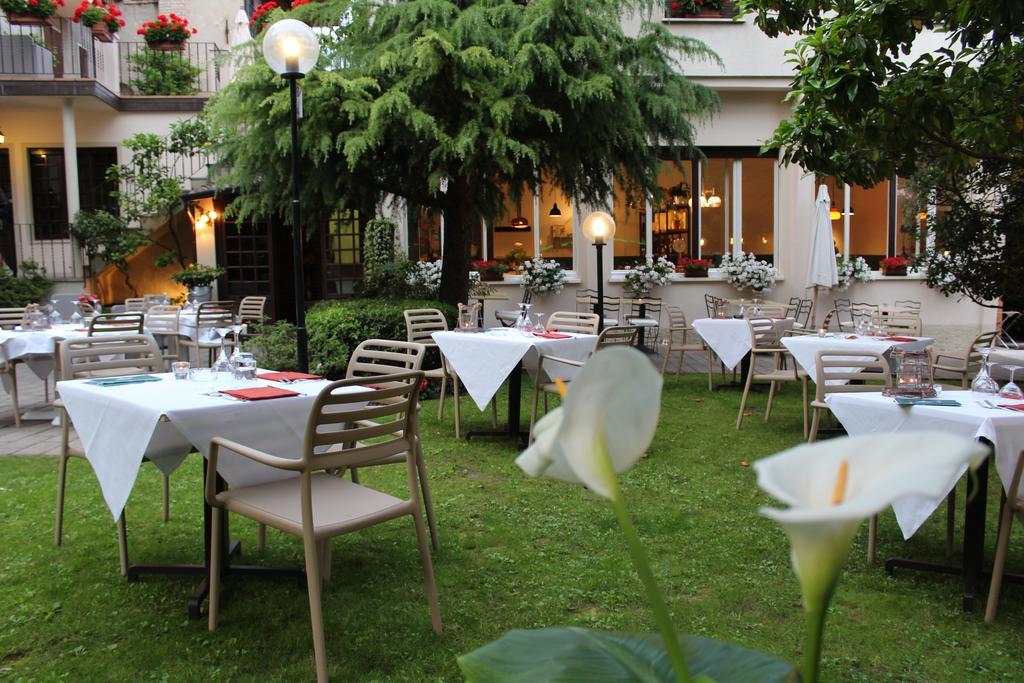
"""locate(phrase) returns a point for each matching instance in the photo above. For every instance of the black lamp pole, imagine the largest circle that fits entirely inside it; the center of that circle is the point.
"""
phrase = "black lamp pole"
(599, 306)
(293, 77)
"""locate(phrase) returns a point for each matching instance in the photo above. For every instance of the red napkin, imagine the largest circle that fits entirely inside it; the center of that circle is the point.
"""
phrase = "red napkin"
(260, 393)
(901, 339)
(81, 329)
(286, 376)
(552, 335)
(1013, 406)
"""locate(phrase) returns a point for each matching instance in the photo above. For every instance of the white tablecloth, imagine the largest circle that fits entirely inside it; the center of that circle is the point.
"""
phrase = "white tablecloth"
(36, 347)
(729, 338)
(872, 413)
(483, 360)
(805, 347)
(118, 425)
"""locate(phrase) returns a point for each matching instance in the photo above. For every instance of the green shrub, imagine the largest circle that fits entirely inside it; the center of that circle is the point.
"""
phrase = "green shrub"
(162, 73)
(273, 345)
(29, 287)
(337, 327)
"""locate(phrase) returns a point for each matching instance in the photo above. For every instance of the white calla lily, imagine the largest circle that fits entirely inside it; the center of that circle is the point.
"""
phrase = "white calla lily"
(611, 407)
(832, 486)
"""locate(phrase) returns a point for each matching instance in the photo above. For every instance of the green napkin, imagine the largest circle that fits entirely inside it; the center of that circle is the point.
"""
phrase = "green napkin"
(909, 401)
(117, 381)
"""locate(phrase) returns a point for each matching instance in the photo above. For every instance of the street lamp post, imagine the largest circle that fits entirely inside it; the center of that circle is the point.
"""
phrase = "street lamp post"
(291, 49)
(599, 227)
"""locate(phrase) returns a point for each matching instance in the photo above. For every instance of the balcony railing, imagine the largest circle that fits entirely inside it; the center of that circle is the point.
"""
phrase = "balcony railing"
(59, 257)
(193, 71)
(65, 50)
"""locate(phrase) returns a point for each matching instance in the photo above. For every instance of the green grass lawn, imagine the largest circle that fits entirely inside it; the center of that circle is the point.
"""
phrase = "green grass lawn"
(516, 553)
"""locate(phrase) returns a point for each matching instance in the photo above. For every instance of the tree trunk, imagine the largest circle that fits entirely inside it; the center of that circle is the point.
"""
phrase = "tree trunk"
(460, 219)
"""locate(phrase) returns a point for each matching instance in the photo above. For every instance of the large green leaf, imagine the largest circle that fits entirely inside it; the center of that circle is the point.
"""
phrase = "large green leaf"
(562, 654)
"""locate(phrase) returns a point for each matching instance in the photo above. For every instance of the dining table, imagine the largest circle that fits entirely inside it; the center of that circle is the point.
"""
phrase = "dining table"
(805, 347)
(730, 339)
(973, 417)
(484, 360)
(164, 419)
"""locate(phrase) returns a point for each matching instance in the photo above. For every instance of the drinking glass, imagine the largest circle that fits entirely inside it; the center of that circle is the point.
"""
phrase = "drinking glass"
(538, 322)
(1011, 390)
(222, 364)
(245, 367)
(983, 382)
(180, 369)
(236, 327)
(523, 321)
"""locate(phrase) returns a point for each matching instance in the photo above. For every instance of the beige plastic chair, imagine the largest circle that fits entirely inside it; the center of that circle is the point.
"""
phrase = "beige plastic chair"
(835, 370)
(135, 305)
(164, 323)
(571, 321)
(250, 309)
(9, 367)
(1012, 507)
(678, 331)
(316, 505)
(210, 315)
(11, 317)
(610, 336)
(964, 365)
(764, 342)
(907, 325)
(420, 323)
(127, 354)
(116, 323)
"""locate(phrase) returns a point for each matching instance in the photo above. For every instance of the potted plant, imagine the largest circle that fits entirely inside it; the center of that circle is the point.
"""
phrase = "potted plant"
(515, 259)
(102, 19)
(30, 12)
(695, 267)
(198, 278)
(676, 9)
(746, 271)
(542, 277)
(490, 271)
(261, 16)
(642, 277)
(168, 33)
(894, 266)
(856, 270)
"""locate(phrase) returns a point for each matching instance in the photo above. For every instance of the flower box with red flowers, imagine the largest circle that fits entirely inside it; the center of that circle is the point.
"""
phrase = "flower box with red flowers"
(695, 267)
(896, 265)
(490, 271)
(102, 19)
(30, 12)
(680, 9)
(168, 32)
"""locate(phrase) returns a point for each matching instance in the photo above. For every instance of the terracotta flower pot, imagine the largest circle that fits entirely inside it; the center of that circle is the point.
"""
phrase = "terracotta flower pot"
(166, 47)
(101, 32)
(28, 20)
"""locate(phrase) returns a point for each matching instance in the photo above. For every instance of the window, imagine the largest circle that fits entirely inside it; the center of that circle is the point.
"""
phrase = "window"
(49, 187)
(245, 255)
(343, 254)
(425, 234)
(708, 206)
(911, 220)
(539, 224)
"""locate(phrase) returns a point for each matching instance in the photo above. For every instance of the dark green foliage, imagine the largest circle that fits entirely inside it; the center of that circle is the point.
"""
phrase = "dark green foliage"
(337, 327)
(153, 72)
(106, 236)
(29, 287)
(949, 118)
(273, 345)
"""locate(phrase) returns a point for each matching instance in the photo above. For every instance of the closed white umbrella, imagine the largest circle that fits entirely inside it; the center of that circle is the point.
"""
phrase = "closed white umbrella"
(238, 33)
(822, 271)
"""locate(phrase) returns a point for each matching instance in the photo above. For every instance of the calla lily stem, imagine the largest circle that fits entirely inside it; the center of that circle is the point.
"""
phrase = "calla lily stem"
(815, 626)
(643, 569)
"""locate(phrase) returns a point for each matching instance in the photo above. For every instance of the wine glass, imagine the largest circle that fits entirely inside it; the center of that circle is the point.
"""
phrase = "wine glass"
(983, 382)
(538, 322)
(1011, 390)
(236, 328)
(222, 364)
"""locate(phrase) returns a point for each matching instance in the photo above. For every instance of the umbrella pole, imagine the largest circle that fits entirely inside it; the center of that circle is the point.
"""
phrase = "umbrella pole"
(814, 308)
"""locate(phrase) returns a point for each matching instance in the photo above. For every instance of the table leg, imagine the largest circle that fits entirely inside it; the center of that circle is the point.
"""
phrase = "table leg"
(513, 428)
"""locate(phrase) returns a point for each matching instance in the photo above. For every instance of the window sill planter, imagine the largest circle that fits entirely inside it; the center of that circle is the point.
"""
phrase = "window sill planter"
(101, 32)
(166, 47)
(895, 271)
(28, 20)
(490, 276)
(683, 9)
(695, 272)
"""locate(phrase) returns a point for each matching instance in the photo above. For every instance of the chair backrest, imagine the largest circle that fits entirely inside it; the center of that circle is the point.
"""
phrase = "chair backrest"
(127, 354)
(617, 335)
(11, 317)
(803, 312)
(570, 321)
(135, 304)
(420, 323)
(973, 355)
(907, 305)
(250, 309)
(86, 309)
(163, 319)
(828, 319)
(676, 317)
(212, 314)
(902, 324)
(394, 429)
(1010, 329)
(714, 304)
(773, 311)
(863, 310)
(585, 300)
(652, 307)
(763, 333)
(116, 323)
(850, 372)
(374, 357)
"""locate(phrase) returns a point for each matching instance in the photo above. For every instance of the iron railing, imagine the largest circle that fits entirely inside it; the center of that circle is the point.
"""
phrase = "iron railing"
(60, 258)
(195, 70)
(64, 50)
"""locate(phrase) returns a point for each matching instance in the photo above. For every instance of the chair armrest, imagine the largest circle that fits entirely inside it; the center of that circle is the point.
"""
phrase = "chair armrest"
(247, 452)
(557, 359)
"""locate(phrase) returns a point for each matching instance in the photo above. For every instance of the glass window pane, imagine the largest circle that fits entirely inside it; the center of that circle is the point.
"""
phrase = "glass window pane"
(672, 222)
(758, 218)
(715, 214)
(556, 231)
(506, 236)
(428, 231)
(630, 241)
(869, 221)
(911, 220)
